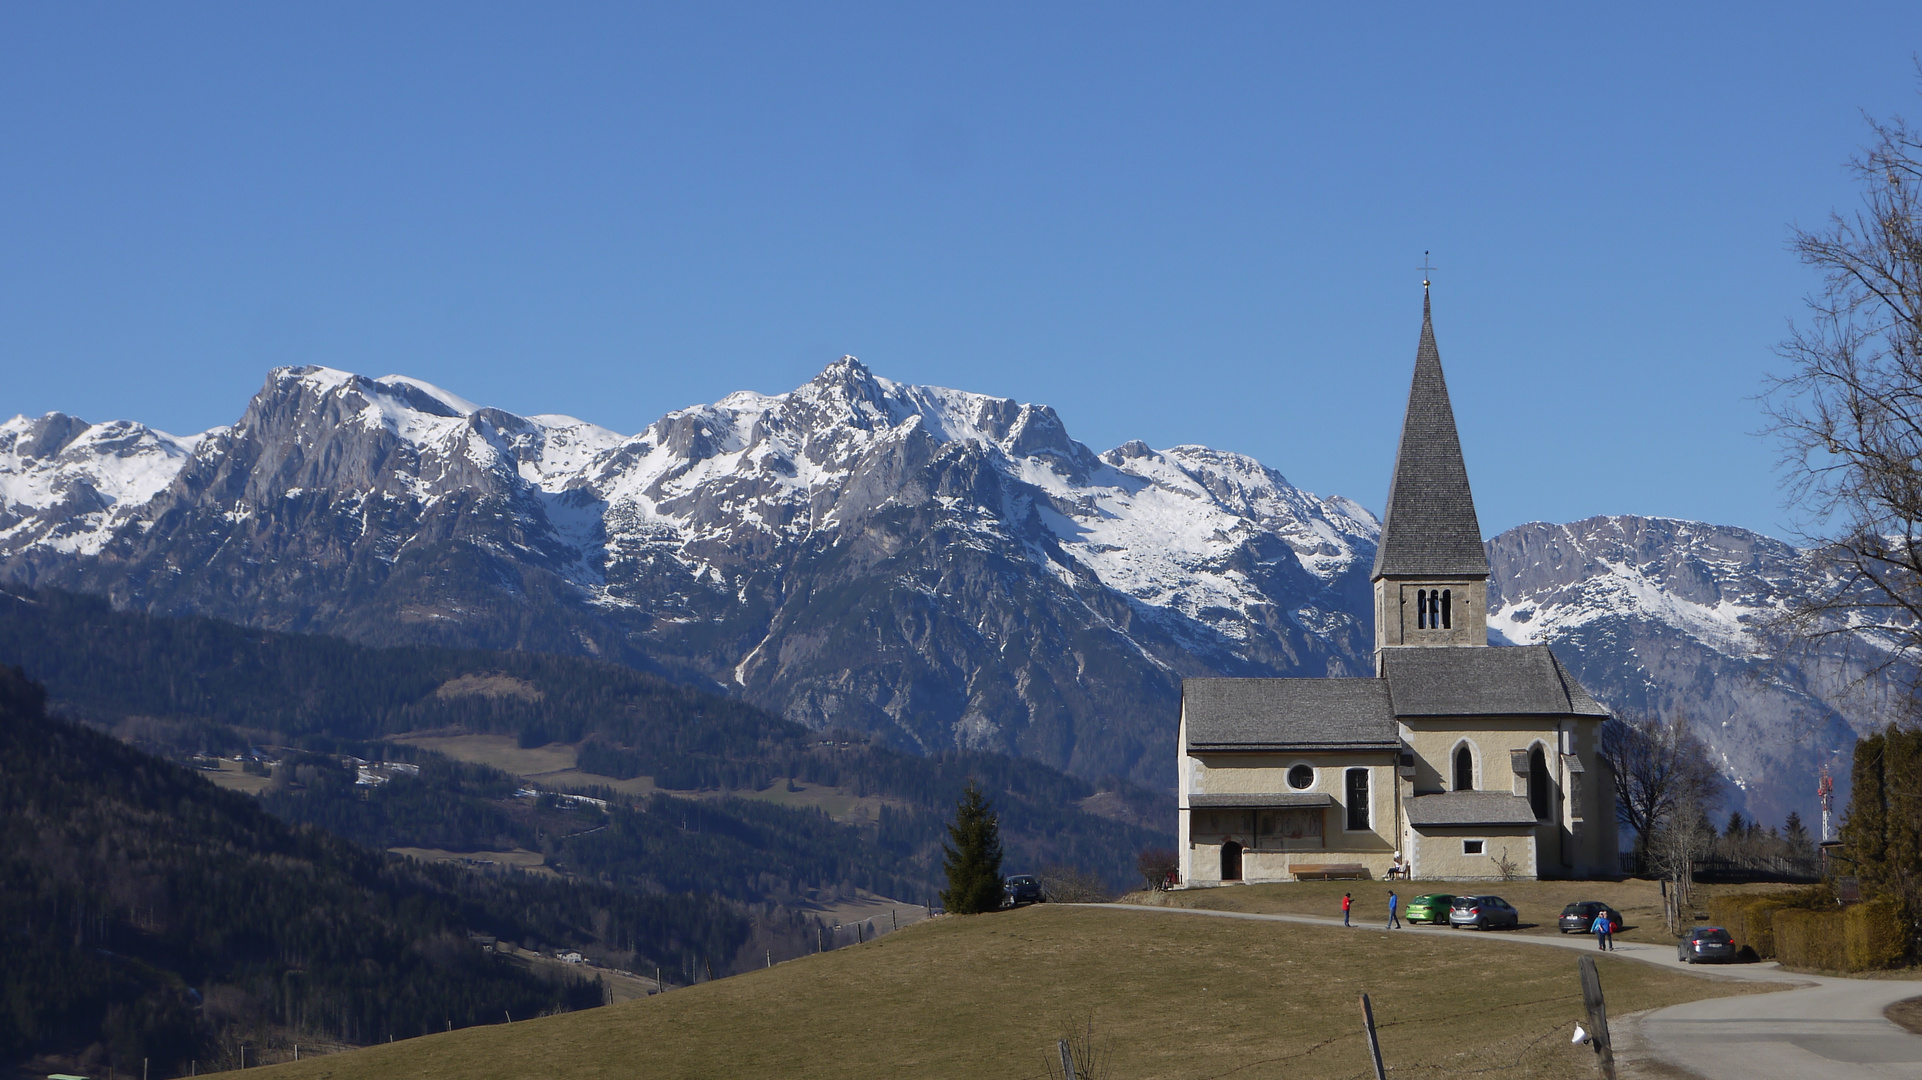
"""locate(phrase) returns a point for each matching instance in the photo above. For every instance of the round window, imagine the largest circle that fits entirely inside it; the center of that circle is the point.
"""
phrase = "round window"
(1301, 777)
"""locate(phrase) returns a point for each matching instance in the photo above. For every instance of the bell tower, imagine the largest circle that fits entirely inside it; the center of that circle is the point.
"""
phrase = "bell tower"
(1431, 573)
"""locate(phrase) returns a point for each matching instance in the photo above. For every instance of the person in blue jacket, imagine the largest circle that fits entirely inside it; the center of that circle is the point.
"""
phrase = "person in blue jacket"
(1394, 921)
(1604, 931)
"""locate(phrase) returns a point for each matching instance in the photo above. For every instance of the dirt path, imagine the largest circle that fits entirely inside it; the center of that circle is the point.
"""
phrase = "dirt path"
(1819, 1027)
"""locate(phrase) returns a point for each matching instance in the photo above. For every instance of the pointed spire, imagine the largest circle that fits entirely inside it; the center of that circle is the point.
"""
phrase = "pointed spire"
(1430, 528)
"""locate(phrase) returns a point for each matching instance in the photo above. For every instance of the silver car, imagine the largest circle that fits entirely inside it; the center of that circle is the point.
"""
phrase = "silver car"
(1483, 913)
(1705, 943)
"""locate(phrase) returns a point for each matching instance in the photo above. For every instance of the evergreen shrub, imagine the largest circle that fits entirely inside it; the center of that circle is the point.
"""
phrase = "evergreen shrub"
(1811, 939)
(1749, 917)
(1874, 935)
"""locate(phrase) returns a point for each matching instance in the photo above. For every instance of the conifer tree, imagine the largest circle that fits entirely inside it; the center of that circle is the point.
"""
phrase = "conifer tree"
(1797, 835)
(1882, 832)
(973, 858)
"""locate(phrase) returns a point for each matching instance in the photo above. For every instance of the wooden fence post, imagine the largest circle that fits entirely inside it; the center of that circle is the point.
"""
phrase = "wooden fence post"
(1067, 1059)
(1374, 1044)
(1597, 1017)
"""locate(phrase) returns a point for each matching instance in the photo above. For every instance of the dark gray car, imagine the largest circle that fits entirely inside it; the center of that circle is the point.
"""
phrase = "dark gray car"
(1483, 913)
(1705, 943)
(1018, 889)
(1579, 917)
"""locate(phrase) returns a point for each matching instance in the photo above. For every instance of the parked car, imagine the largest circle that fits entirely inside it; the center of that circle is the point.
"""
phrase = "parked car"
(1018, 889)
(1430, 908)
(1482, 912)
(1705, 943)
(1579, 916)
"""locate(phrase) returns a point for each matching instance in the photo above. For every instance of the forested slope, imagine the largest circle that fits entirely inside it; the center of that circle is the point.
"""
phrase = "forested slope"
(146, 914)
(199, 684)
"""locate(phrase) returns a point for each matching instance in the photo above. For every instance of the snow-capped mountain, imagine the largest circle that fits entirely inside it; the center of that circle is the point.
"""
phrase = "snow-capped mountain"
(1666, 617)
(945, 568)
(66, 485)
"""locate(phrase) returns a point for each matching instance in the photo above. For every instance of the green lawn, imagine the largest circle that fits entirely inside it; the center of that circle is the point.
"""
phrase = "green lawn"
(1169, 996)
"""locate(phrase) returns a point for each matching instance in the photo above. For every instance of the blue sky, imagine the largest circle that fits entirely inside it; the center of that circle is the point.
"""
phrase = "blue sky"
(1193, 223)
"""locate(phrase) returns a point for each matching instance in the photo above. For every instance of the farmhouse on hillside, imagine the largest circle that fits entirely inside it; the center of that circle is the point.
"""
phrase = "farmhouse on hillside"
(1457, 761)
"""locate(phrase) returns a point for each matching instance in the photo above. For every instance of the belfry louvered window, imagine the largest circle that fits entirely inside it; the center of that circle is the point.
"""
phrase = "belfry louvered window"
(1421, 609)
(1447, 620)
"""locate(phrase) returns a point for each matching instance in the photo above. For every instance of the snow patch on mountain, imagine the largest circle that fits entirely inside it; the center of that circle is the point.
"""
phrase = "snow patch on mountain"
(1161, 527)
(66, 484)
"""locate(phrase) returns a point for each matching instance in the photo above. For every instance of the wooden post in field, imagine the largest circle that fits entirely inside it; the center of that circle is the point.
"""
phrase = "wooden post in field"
(1067, 1059)
(1374, 1044)
(770, 957)
(895, 919)
(1597, 1017)
(658, 986)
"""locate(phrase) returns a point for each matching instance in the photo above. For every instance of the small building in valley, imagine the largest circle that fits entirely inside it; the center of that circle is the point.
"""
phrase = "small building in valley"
(1456, 761)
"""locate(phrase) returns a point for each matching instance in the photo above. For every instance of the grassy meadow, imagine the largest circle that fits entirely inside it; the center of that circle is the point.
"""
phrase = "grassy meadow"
(987, 996)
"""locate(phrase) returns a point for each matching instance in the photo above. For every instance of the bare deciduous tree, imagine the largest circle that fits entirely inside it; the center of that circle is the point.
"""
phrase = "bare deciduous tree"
(1157, 866)
(1663, 771)
(1685, 839)
(1073, 885)
(1848, 412)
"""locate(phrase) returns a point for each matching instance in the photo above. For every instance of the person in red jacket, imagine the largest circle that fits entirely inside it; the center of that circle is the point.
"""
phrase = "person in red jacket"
(1347, 899)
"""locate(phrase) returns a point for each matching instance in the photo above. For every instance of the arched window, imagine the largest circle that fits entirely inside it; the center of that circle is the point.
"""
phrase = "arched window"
(1538, 783)
(1421, 609)
(1446, 619)
(1464, 769)
(1357, 799)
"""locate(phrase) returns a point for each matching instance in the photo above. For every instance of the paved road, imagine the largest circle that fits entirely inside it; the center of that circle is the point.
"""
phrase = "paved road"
(1830, 1029)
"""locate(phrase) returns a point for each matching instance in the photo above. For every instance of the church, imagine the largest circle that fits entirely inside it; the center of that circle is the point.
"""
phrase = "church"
(1458, 761)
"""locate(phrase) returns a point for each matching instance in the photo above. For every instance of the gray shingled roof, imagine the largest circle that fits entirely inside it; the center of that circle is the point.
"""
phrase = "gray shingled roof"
(1262, 800)
(1468, 808)
(1289, 714)
(1517, 680)
(1430, 529)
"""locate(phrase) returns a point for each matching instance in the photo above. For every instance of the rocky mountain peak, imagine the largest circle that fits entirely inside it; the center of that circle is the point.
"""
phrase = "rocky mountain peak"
(943, 567)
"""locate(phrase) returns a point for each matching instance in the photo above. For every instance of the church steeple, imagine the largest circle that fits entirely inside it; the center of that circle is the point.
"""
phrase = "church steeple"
(1430, 528)
(1430, 571)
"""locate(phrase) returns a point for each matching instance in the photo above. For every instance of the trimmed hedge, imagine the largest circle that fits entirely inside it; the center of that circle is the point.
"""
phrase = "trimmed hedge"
(1874, 936)
(1749, 917)
(1811, 939)
(1804, 929)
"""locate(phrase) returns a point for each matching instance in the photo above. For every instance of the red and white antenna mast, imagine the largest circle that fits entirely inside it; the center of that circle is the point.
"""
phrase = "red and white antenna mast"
(1825, 791)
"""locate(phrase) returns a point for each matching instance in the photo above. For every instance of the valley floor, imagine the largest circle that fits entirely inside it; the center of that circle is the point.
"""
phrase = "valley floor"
(1164, 996)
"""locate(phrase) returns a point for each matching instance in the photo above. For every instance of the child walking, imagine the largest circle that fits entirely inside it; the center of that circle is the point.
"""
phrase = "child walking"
(1347, 899)
(1604, 931)
(1394, 921)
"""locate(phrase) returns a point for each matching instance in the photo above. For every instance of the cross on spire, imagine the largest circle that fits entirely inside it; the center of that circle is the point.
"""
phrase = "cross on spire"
(1425, 269)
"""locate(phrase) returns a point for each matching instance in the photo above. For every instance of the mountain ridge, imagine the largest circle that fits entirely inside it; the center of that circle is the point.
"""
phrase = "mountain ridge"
(939, 567)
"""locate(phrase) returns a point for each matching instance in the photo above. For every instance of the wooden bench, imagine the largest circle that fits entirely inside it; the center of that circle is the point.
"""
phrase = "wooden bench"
(1331, 872)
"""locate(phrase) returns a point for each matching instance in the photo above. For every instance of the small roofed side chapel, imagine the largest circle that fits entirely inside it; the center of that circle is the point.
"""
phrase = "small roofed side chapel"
(1458, 761)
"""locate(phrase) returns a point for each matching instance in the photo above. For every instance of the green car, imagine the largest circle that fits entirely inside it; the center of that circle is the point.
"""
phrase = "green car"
(1432, 908)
